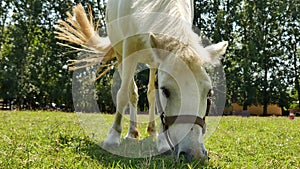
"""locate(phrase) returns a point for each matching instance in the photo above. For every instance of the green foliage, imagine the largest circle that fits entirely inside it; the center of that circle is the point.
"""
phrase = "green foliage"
(261, 64)
(57, 140)
(104, 92)
(31, 61)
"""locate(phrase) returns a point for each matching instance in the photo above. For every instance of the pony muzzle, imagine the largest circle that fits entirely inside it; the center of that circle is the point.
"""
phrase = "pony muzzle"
(189, 154)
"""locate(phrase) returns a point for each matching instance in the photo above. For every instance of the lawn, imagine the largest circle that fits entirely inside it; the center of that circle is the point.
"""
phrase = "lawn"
(57, 140)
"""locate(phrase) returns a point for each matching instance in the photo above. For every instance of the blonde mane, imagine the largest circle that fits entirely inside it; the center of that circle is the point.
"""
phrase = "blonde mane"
(170, 20)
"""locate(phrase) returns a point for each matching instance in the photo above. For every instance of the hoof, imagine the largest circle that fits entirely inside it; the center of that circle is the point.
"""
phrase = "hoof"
(112, 140)
(109, 145)
(153, 134)
(129, 139)
(134, 136)
(151, 130)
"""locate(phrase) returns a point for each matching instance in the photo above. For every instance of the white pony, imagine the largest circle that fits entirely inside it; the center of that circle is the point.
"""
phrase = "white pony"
(158, 33)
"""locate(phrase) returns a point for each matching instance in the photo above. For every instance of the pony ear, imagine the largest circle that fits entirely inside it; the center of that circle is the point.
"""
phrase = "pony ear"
(160, 55)
(217, 50)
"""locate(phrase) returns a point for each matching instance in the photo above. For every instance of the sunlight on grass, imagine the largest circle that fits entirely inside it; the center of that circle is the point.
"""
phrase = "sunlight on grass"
(60, 140)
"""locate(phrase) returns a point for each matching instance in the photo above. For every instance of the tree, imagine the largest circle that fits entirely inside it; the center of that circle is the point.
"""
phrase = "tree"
(255, 63)
(32, 62)
(291, 42)
(4, 15)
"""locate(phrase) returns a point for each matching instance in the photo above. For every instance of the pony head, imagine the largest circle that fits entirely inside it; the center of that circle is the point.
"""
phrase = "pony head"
(183, 90)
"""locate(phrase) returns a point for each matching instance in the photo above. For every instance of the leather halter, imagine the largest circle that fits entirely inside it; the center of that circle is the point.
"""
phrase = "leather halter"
(167, 121)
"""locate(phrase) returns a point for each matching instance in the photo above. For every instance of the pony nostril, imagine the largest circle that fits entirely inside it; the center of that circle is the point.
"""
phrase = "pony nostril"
(187, 156)
(204, 151)
(205, 154)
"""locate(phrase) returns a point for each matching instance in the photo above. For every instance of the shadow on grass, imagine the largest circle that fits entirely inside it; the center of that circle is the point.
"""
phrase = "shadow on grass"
(108, 160)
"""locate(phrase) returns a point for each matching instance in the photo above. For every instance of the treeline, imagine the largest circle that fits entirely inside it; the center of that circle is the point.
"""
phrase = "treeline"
(33, 73)
(262, 64)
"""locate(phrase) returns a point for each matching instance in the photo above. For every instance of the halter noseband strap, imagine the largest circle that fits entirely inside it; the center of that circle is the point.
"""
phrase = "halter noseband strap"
(167, 121)
(170, 120)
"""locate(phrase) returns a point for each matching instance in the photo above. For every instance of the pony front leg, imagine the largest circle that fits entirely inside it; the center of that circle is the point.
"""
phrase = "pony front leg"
(151, 100)
(133, 132)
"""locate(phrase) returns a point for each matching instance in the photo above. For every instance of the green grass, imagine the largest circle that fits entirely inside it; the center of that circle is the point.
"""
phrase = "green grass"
(57, 140)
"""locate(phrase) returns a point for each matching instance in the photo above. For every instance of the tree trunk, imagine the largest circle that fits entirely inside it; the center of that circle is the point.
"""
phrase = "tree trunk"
(298, 89)
(245, 105)
(265, 92)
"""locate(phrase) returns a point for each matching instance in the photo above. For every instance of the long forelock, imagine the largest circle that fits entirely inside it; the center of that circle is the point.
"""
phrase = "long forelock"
(193, 54)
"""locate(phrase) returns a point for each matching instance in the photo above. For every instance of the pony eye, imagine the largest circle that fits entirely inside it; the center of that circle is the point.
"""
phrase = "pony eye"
(209, 100)
(165, 92)
(210, 93)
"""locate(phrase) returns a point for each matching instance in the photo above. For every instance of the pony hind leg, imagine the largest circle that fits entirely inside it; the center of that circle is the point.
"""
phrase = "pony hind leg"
(113, 138)
(126, 70)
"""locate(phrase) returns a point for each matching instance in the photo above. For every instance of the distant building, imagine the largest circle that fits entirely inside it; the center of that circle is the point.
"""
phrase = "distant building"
(236, 109)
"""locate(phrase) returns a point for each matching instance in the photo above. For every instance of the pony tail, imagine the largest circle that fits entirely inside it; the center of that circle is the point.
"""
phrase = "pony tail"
(86, 25)
(79, 30)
